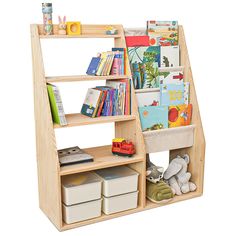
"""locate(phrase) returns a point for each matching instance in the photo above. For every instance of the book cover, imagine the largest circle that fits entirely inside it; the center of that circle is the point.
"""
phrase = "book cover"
(122, 52)
(169, 56)
(153, 117)
(115, 64)
(101, 102)
(57, 110)
(137, 41)
(93, 66)
(179, 115)
(172, 94)
(171, 75)
(186, 92)
(165, 33)
(91, 102)
(103, 57)
(148, 98)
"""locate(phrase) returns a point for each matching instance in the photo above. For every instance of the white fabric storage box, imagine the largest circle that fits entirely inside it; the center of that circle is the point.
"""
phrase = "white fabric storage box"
(118, 180)
(169, 139)
(82, 211)
(82, 187)
(120, 203)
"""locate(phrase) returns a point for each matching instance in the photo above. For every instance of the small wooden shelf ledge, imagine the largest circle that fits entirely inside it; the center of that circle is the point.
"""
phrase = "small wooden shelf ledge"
(147, 90)
(74, 78)
(58, 36)
(78, 119)
(103, 158)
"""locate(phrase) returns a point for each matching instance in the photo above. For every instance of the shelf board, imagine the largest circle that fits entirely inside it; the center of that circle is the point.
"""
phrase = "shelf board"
(58, 36)
(147, 90)
(149, 205)
(103, 158)
(78, 119)
(74, 78)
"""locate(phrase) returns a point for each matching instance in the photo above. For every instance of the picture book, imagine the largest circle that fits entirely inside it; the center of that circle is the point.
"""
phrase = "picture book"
(137, 41)
(91, 102)
(93, 66)
(153, 117)
(179, 115)
(169, 56)
(171, 75)
(148, 98)
(103, 57)
(122, 61)
(57, 110)
(186, 92)
(164, 33)
(172, 94)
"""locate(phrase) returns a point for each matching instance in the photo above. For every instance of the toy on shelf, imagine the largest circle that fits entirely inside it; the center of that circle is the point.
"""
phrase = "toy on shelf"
(47, 18)
(121, 147)
(111, 30)
(178, 177)
(73, 28)
(156, 189)
(62, 25)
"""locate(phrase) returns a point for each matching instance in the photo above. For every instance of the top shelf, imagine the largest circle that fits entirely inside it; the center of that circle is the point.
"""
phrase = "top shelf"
(87, 31)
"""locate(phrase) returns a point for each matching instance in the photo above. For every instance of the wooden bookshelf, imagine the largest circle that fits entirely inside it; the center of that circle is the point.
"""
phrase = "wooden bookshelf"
(126, 126)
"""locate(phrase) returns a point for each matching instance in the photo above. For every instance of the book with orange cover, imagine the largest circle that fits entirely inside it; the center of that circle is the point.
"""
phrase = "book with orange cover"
(179, 115)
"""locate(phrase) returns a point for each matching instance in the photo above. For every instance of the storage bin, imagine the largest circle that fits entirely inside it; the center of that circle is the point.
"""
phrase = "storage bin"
(118, 180)
(169, 139)
(82, 211)
(82, 187)
(120, 203)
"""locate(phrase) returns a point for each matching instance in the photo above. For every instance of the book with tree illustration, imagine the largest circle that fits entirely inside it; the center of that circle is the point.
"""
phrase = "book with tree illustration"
(153, 117)
(179, 115)
(171, 75)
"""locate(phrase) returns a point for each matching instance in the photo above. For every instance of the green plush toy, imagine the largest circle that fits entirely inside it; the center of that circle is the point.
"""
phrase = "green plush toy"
(157, 192)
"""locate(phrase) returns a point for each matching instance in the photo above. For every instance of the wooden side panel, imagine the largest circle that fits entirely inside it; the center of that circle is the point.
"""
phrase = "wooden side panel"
(197, 151)
(47, 160)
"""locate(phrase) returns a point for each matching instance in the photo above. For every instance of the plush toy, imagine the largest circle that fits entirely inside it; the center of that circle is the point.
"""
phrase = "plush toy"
(177, 176)
(156, 189)
(62, 26)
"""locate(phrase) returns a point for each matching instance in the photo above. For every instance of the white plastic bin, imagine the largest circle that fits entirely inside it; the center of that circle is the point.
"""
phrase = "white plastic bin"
(82, 211)
(118, 180)
(82, 187)
(120, 203)
(169, 139)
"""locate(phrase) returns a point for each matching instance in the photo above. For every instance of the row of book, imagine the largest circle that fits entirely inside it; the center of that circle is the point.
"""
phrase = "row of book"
(108, 63)
(110, 100)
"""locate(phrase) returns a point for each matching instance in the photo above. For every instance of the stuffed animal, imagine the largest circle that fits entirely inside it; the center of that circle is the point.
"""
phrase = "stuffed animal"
(177, 176)
(156, 189)
(62, 26)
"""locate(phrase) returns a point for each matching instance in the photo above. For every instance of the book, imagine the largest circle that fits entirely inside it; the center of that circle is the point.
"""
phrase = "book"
(122, 59)
(93, 66)
(127, 96)
(169, 56)
(101, 102)
(186, 92)
(136, 41)
(171, 94)
(148, 98)
(103, 57)
(91, 102)
(179, 115)
(171, 75)
(73, 155)
(165, 33)
(153, 117)
(57, 110)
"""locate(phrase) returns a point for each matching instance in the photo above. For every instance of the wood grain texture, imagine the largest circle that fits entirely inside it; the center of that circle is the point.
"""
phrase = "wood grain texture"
(48, 178)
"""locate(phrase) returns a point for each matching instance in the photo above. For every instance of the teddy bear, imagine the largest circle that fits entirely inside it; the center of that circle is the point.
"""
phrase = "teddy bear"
(177, 175)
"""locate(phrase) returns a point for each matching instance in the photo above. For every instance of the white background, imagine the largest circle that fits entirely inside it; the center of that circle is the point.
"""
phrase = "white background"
(210, 33)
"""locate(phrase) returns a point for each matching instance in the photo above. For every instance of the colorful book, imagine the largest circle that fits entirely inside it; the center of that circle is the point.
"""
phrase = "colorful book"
(57, 110)
(180, 115)
(172, 94)
(101, 102)
(153, 117)
(171, 75)
(122, 62)
(169, 56)
(186, 92)
(137, 41)
(148, 98)
(103, 57)
(93, 66)
(91, 102)
(164, 33)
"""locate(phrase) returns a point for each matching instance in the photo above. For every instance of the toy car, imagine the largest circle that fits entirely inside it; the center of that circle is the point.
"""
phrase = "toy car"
(121, 147)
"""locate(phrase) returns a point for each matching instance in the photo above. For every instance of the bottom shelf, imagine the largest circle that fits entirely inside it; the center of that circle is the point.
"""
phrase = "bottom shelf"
(149, 205)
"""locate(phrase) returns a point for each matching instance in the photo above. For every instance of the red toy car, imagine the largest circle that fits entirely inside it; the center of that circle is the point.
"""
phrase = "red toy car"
(121, 147)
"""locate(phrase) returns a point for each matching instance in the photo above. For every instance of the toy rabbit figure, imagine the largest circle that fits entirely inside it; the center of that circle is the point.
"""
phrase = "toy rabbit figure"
(62, 25)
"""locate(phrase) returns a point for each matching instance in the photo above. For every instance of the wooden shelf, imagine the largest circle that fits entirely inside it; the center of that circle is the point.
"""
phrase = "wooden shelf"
(147, 90)
(103, 158)
(74, 78)
(57, 36)
(78, 119)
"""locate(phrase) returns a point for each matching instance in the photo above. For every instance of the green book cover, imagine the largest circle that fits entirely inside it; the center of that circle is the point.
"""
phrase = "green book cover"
(57, 110)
